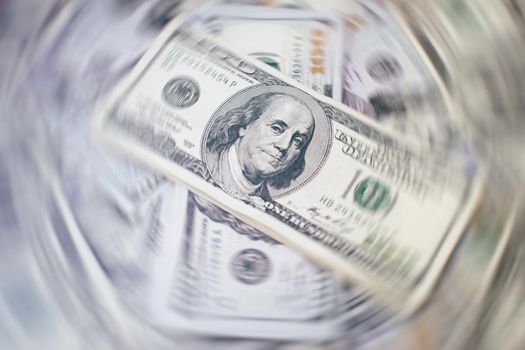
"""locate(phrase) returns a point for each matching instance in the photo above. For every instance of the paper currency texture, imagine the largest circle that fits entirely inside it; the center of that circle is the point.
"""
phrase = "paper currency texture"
(292, 163)
(304, 45)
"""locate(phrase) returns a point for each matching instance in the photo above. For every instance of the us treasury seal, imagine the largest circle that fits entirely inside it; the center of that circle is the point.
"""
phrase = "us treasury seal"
(250, 266)
(181, 92)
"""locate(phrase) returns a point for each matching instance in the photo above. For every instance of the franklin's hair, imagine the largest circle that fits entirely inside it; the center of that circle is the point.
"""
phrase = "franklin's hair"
(225, 131)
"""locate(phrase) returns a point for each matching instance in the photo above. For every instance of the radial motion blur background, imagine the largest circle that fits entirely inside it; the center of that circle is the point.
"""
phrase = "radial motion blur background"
(80, 225)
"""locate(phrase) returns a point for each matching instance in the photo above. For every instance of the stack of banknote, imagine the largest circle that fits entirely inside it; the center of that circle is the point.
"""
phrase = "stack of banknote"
(289, 174)
(291, 215)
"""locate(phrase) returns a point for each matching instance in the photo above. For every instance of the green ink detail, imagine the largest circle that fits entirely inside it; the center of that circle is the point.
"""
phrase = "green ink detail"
(372, 195)
(270, 61)
(388, 256)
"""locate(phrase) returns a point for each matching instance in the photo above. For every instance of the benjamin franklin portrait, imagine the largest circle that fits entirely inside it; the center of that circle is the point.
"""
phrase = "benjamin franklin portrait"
(262, 143)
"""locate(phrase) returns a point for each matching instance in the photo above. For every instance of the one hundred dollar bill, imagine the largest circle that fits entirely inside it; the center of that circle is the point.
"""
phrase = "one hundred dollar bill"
(304, 45)
(292, 163)
(218, 276)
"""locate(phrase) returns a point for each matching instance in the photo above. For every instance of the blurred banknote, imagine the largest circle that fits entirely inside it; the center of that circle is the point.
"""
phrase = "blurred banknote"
(381, 65)
(216, 275)
(292, 163)
(304, 45)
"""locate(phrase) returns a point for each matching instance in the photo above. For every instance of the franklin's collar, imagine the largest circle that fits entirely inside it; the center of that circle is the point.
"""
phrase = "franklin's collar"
(241, 182)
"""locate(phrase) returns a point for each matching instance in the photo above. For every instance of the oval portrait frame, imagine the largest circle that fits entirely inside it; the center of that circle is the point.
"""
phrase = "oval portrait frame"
(318, 148)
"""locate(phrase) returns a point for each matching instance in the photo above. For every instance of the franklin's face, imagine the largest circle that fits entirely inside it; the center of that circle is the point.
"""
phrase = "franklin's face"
(271, 144)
